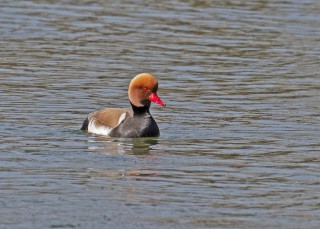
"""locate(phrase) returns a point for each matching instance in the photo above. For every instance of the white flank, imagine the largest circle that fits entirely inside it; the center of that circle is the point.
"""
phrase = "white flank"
(101, 130)
(122, 117)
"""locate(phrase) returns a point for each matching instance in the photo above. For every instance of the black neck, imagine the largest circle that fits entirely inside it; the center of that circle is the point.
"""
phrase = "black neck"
(140, 110)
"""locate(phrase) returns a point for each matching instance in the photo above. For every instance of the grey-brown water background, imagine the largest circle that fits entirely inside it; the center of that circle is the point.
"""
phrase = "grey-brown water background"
(239, 144)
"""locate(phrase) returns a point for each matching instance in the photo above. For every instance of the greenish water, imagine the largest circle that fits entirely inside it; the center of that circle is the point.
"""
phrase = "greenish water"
(239, 144)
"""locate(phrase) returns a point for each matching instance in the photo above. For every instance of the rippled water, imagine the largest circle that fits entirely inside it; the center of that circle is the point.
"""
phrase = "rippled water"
(239, 144)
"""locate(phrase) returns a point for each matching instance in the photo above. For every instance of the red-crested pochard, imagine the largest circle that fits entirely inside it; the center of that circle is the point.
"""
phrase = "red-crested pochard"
(129, 122)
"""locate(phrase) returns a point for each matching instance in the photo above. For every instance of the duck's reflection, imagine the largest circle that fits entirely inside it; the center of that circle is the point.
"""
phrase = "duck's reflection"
(142, 146)
(112, 146)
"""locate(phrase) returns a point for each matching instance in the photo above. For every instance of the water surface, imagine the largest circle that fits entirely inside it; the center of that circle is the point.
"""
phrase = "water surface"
(239, 144)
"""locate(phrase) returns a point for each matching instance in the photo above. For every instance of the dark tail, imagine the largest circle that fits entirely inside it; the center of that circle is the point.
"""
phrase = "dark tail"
(85, 125)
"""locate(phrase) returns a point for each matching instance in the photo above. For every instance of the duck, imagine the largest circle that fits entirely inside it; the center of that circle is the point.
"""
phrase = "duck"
(132, 122)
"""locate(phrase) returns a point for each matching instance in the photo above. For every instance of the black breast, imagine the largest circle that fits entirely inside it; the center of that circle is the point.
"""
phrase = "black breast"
(137, 126)
(140, 124)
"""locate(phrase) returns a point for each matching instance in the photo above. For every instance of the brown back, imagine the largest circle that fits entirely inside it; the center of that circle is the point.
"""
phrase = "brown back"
(108, 116)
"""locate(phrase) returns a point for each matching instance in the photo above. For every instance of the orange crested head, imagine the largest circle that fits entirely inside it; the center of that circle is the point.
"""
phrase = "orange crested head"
(143, 90)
